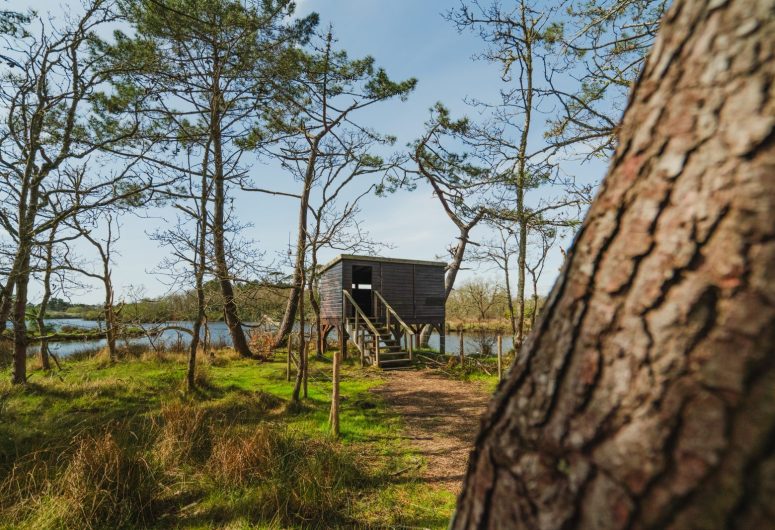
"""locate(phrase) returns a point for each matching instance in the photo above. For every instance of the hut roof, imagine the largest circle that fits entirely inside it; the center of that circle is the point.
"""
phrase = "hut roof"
(380, 259)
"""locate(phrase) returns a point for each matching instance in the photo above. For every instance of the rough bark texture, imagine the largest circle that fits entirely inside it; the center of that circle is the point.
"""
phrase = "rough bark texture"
(645, 398)
(301, 373)
(19, 375)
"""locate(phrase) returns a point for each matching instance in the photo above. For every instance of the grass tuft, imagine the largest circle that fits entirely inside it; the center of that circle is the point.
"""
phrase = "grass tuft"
(183, 435)
(295, 480)
(107, 485)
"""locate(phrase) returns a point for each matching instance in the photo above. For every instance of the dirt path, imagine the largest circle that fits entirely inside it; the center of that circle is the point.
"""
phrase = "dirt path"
(441, 417)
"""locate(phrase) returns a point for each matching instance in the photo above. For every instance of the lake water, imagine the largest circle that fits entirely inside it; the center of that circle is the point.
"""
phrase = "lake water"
(474, 342)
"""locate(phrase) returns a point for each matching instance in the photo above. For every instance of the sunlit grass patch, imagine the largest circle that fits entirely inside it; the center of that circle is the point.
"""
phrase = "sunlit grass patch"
(228, 455)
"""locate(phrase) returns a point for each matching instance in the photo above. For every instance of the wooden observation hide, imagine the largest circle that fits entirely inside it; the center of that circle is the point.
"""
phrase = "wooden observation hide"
(382, 303)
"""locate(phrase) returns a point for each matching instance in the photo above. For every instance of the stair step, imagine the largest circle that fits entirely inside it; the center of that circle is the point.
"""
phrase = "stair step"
(394, 361)
(393, 354)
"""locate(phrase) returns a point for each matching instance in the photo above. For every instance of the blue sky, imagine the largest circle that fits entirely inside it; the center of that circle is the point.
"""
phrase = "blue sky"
(409, 38)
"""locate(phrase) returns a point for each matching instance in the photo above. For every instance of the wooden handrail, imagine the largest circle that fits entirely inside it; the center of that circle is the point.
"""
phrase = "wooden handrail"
(395, 315)
(358, 309)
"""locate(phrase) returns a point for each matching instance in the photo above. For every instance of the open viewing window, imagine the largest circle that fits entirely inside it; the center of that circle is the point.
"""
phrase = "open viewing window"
(361, 287)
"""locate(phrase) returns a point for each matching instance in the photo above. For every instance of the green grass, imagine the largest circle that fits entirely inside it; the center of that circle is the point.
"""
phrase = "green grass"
(476, 368)
(76, 445)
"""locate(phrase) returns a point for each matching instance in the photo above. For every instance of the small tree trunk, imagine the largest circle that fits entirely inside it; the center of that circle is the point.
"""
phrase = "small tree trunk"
(111, 323)
(453, 267)
(319, 345)
(510, 304)
(297, 285)
(522, 169)
(6, 303)
(535, 303)
(200, 266)
(19, 375)
(45, 362)
(301, 373)
(645, 397)
(522, 264)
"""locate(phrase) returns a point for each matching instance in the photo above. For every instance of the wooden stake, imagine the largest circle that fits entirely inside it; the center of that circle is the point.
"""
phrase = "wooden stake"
(462, 350)
(333, 417)
(500, 357)
(290, 354)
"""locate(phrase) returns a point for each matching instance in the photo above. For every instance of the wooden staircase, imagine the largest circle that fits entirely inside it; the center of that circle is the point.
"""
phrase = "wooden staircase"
(375, 338)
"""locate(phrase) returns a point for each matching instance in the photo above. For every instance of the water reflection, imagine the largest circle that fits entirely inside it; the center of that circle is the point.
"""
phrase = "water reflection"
(475, 343)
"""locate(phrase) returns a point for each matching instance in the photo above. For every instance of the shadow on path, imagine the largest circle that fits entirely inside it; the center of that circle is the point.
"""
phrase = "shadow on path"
(441, 418)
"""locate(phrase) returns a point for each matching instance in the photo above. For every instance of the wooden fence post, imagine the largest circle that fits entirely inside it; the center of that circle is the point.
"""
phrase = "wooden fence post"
(500, 357)
(290, 354)
(462, 349)
(333, 417)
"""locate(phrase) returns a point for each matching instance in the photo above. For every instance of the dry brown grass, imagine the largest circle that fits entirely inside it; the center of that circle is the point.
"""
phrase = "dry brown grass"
(183, 436)
(105, 484)
(94, 482)
(299, 479)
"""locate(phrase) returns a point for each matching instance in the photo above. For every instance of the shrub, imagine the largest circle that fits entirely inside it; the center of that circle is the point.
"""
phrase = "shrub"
(261, 342)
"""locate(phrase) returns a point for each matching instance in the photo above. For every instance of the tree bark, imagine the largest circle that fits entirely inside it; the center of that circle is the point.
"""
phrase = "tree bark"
(200, 265)
(111, 322)
(453, 267)
(522, 266)
(45, 362)
(19, 375)
(297, 286)
(522, 181)
(510, 303)
(301, 373)
(231, 315)
(21, 270)
(645, 398)
(6, 303)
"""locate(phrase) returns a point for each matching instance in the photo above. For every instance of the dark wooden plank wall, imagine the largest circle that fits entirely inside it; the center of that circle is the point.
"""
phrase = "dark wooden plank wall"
(331, 294)
(398, 289)
(428, 293)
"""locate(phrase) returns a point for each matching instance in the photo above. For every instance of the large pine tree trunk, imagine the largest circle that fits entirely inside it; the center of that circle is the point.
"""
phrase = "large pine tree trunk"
(645, 398)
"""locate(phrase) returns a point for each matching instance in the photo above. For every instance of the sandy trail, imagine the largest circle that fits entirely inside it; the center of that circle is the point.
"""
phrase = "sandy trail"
(441, 417)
